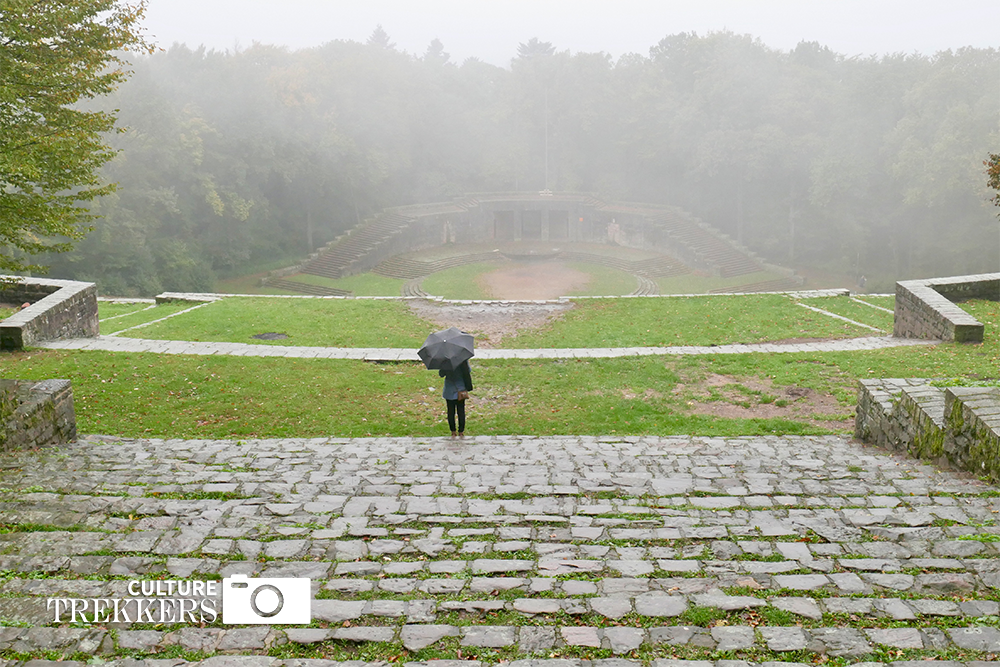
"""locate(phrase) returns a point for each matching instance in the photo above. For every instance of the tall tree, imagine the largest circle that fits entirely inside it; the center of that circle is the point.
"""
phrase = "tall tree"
(55, 54)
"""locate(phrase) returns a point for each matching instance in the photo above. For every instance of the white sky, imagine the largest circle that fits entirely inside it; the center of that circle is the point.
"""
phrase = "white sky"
(492, 29)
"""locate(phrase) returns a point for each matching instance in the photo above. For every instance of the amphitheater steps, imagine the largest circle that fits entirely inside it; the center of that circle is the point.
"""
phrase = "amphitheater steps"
(337, 258)
(297, 287)
(729, 260)
(647, 287)
(413, 288)
(660, 267)
(403, 268)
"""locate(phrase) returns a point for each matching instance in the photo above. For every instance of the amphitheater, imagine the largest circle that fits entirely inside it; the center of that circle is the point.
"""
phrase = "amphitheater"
(557, 551)
(647, 241)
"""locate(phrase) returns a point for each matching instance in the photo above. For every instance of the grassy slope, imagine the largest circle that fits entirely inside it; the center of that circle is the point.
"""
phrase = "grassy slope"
(461, 282)
(846, 307)
(592, 323)
(310, 322)
(180, 396)
(653, 322)
(691, 283)
(365, 284)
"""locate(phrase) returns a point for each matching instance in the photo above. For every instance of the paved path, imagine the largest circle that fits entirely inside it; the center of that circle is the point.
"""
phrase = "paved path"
(116, 344)
(565, 551)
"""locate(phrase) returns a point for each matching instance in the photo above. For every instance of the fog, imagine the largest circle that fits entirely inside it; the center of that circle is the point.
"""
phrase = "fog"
(491, 30)
(243, 159)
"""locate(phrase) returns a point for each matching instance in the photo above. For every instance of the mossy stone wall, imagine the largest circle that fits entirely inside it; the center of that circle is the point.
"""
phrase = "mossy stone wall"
(36, 413)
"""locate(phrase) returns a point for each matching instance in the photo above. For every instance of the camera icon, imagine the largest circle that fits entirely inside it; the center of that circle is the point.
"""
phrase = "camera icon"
(256, 601)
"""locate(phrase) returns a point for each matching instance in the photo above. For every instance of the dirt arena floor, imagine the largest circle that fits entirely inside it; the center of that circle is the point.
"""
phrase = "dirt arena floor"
(493, 322)
(541, 280)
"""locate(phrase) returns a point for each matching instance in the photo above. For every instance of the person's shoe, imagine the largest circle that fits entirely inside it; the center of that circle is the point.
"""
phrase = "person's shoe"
(461, 434)
(454, 433)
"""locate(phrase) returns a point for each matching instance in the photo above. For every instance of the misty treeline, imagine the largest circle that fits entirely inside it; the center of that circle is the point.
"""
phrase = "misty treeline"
(247, 159)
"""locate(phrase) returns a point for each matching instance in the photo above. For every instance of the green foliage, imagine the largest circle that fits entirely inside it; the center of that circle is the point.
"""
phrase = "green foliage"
(846, 164)
(55, 57)
(992, 165)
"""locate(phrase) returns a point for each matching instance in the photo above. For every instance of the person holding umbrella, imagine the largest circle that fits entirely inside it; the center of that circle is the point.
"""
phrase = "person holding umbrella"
(449, 352)
(457, 385)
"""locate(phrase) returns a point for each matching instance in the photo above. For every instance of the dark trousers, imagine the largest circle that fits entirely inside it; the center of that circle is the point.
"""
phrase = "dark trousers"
(453, 407)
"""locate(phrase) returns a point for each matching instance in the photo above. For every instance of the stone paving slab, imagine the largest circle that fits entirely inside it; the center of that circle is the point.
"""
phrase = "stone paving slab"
(622, 550)
(117, 344)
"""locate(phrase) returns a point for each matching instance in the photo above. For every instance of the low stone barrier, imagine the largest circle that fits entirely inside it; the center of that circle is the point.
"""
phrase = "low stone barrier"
(926, 308)
(959, 426)
(59, 309)
(36, 413)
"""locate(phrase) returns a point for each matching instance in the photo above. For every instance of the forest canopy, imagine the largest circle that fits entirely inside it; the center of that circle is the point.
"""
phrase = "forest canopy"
(53, 55)
(251, 158)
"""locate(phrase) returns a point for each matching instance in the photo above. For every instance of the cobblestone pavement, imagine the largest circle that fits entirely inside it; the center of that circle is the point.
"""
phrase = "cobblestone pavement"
(543, 552)
(114, 344)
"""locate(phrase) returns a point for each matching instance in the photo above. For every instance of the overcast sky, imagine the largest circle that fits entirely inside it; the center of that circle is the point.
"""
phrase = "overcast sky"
(492, 29)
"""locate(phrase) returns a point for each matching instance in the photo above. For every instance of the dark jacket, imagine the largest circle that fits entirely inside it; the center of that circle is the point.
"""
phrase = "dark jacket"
(459, 376)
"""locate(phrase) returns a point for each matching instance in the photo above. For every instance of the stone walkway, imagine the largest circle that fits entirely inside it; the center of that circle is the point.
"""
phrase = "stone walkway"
(115, 344)
(544, 552)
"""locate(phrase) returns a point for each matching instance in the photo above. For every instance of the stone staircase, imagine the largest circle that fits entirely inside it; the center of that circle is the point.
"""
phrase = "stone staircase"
(538, 551)
(336, 259)
(713, 249)
(646, 287)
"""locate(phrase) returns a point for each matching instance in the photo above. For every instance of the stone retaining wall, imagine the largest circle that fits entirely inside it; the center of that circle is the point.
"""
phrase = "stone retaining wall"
(972, 429)
(959, 426)
(926, 308)
(59, 309)
(36, 413)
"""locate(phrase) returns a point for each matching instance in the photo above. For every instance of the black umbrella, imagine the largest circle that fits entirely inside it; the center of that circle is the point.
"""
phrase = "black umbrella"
(446, 350)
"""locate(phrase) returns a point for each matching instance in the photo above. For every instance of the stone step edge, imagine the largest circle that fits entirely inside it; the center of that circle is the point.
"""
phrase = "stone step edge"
(613, 606)
(265, 661)
(529, 639)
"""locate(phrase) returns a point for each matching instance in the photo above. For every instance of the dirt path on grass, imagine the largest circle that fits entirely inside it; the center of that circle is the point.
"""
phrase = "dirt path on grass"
(541, 280)
(490, 322)
(494, 322)
(759, 398)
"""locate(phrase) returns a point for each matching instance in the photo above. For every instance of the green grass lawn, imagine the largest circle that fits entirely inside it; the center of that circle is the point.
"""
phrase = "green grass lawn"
(707, 320)
(107, 310)
(460, 282)
(640, 322)
(211, 397)
(308, 322)
(847, 307)
(883, 301)
(691, 283)
(364, 284)
(604, 280)
(138, 315)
